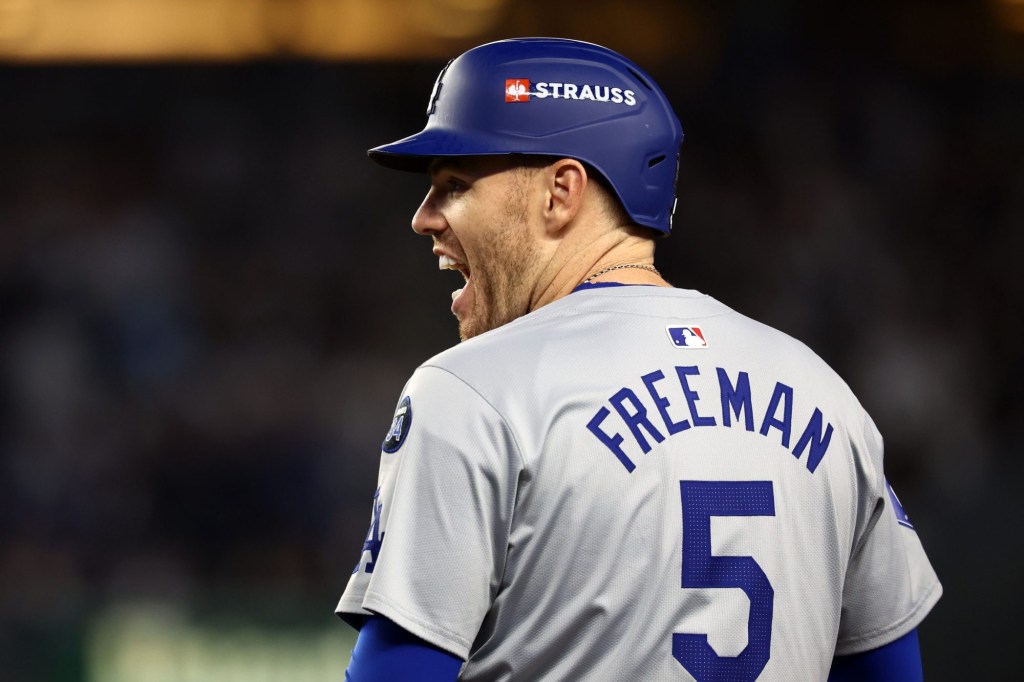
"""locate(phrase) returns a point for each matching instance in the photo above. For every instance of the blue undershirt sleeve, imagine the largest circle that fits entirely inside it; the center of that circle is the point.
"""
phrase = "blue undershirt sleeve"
(898, 661)
(385, 652)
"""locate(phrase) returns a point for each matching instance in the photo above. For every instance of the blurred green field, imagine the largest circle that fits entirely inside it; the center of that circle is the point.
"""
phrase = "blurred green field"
(162, 643)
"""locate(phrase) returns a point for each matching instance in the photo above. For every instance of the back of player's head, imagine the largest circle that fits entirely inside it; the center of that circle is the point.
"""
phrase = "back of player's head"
(555, 97)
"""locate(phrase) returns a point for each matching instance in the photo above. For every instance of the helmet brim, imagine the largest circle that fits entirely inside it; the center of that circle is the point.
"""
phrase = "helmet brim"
(414, 153)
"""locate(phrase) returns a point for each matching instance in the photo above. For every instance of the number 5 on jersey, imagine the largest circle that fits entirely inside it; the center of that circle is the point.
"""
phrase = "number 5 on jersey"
(702, 500)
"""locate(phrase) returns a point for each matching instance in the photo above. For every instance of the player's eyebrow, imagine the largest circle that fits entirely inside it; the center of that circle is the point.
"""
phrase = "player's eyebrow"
(443, 163)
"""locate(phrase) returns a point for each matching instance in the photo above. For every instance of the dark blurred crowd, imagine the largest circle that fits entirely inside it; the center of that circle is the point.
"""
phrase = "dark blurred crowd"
(210, 300)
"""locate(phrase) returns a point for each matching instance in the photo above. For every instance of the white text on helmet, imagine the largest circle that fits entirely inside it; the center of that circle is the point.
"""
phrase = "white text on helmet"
(595, 93)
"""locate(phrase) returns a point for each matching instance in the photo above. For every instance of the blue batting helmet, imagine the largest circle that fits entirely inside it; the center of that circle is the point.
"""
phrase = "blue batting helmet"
(554, 97)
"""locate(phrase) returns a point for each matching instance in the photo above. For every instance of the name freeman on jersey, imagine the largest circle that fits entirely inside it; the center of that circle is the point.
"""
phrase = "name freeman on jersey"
(521, 90)
(737, 402)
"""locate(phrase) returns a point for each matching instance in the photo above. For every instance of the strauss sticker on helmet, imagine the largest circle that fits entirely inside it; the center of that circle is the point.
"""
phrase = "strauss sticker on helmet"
(518, 90)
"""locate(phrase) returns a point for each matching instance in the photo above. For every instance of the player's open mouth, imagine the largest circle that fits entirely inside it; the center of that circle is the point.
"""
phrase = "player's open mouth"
(462, 299)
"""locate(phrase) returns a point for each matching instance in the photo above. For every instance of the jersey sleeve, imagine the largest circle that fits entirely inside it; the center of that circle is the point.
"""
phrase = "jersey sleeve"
(385, 651)
(436, 548)
(898, 661)
(890, 585)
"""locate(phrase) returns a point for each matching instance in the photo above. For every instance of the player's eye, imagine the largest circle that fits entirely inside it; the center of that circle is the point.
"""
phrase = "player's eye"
(455, 185)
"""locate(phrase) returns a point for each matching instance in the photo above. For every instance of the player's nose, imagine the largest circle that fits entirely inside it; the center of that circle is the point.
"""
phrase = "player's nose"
(428, 220)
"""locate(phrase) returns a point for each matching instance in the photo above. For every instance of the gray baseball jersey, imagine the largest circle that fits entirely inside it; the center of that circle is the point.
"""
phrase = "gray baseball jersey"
(638, 483)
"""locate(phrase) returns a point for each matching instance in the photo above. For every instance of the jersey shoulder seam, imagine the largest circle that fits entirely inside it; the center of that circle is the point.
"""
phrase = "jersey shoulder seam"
(511, 431)
(515, 443)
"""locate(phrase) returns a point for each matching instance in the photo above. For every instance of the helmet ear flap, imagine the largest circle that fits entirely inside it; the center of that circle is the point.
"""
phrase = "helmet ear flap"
(554, 97)
(657, 173)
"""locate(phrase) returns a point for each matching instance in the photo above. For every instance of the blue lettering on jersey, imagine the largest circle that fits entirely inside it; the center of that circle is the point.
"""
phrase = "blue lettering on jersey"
(374, 538)
(736, 399)
(691, 396)
(818, 441)
(782, 394)
(897, 507)
(737, 403)
(636, 419)
(673, 427)
(613, 443)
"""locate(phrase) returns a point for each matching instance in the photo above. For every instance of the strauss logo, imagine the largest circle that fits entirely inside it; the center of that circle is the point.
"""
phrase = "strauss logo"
(517, 90)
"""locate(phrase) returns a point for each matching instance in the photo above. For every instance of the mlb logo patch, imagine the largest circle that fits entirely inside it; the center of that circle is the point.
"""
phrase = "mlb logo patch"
(517, 90)
(686, 336)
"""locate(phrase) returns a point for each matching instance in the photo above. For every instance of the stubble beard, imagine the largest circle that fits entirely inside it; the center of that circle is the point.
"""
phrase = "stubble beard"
(503, 275)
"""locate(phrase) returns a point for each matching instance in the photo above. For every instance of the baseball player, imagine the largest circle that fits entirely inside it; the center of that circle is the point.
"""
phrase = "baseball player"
(612, 478)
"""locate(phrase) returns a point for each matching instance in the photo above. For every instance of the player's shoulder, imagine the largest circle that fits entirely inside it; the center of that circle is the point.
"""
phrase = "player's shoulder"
(513, 347)
(753, 343)
(525, 353)
(780, 349)
(560, 324)
(596, 330)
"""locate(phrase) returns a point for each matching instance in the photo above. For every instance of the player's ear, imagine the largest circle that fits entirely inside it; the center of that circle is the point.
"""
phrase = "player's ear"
(565, 184)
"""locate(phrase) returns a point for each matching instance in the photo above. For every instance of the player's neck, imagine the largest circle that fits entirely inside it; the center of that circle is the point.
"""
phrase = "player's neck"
(599, 259)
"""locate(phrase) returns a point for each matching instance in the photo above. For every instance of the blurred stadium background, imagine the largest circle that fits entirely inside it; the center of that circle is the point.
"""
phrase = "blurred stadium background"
(210, 299)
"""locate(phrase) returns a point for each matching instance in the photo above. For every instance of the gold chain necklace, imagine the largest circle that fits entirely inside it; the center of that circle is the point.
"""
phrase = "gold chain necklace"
(638, 266)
